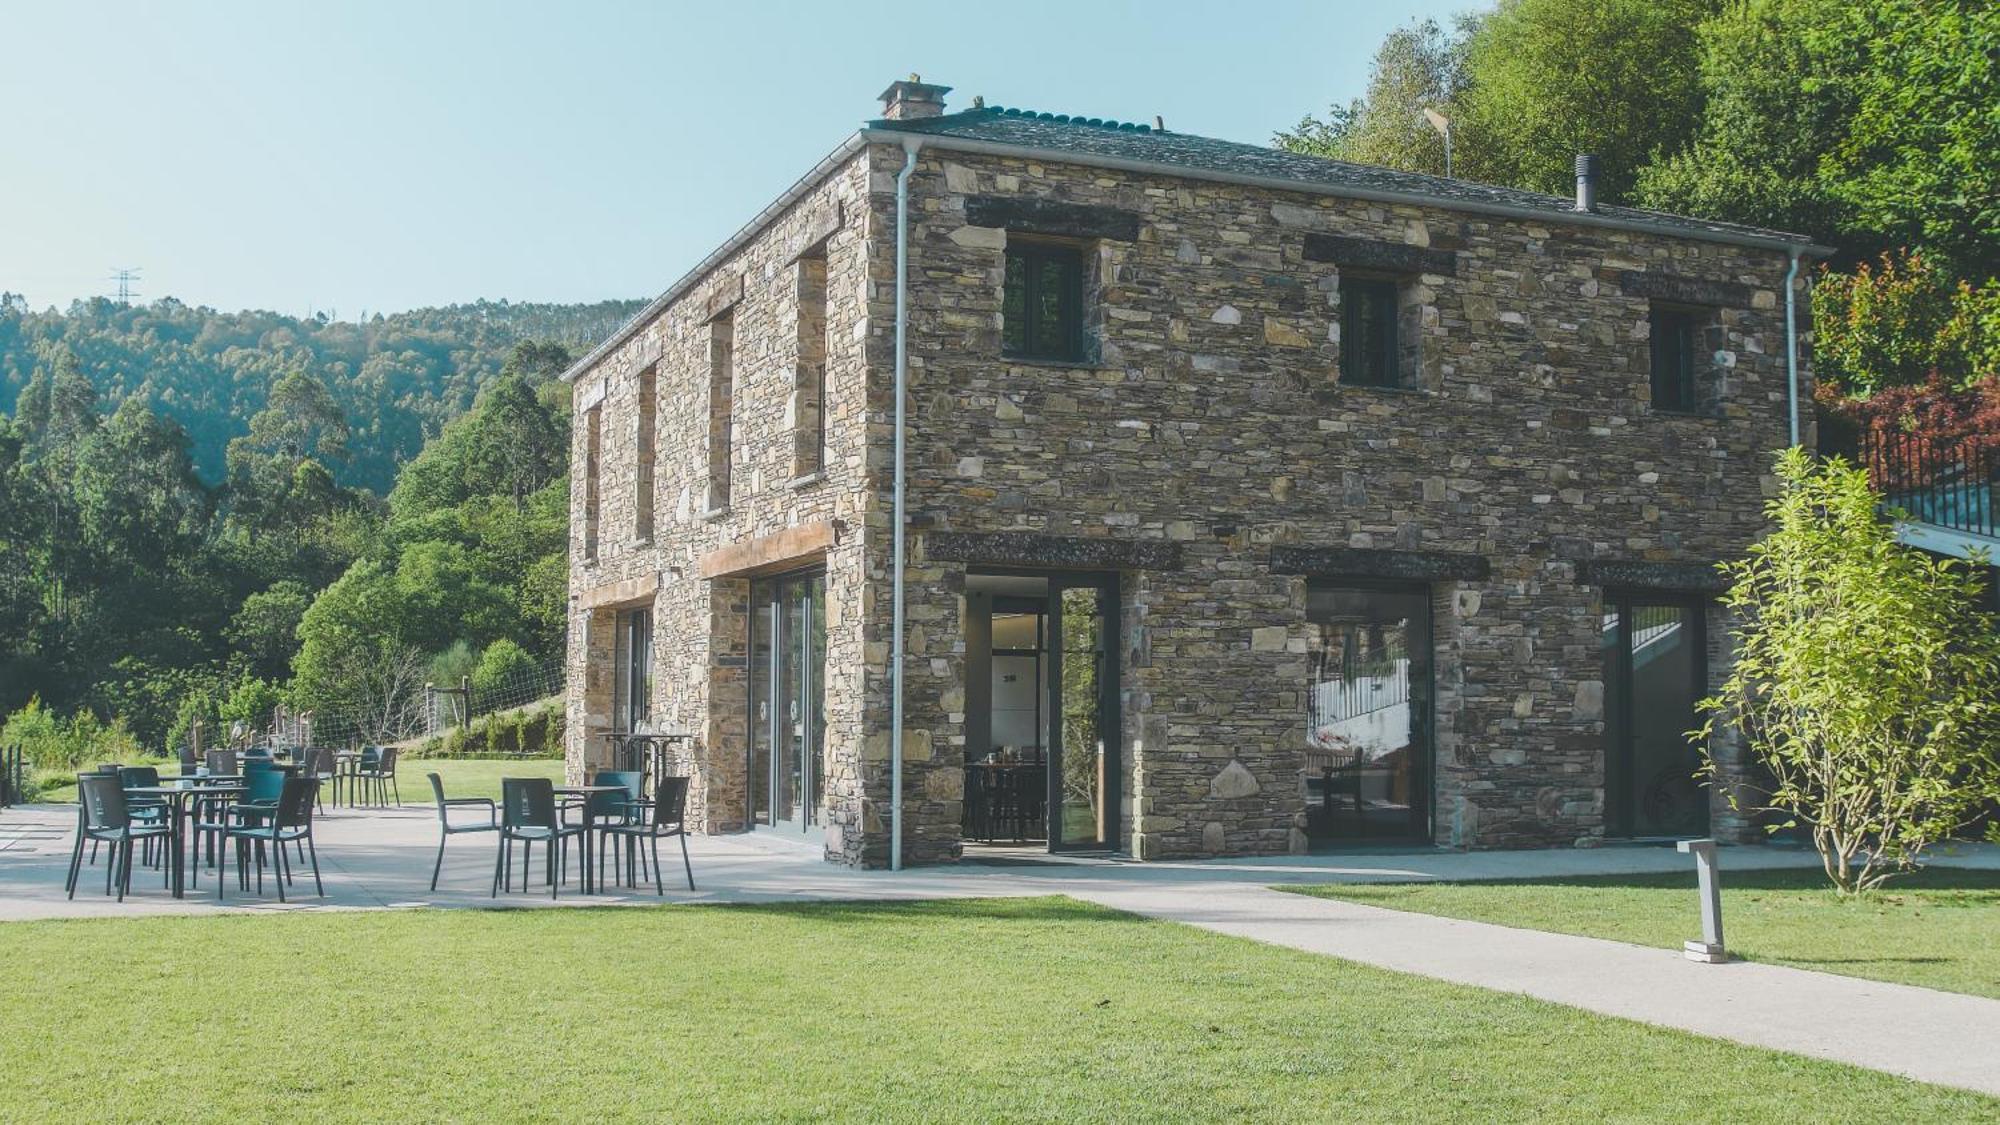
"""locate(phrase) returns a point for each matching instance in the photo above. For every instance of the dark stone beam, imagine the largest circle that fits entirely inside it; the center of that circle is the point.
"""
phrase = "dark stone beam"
(1065, 552)
(1373, 254)
(1690, 290)
(1635, 574)
(1360, 562)
(1031, 215)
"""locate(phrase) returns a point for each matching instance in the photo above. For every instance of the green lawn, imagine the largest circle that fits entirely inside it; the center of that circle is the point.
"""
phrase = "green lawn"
(1939, 928)
(462, 778)
(1033, 1010)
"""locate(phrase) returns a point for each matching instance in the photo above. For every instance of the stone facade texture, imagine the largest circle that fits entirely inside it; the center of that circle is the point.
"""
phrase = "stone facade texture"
(1208, 429)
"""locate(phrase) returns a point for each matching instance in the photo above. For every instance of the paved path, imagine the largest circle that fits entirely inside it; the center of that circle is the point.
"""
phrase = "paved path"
(376, 860)
(1942, 1037)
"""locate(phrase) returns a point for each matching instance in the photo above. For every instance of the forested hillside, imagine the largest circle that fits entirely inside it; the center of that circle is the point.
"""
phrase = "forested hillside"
(395, 379)
(347, 511)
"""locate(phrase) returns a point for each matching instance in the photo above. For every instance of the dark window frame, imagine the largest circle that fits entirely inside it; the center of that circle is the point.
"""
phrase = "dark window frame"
(1381, 365)
(1677, 389)
(1022, 337)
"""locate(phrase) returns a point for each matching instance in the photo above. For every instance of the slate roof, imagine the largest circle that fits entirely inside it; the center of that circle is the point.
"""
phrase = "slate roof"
(1092, 140)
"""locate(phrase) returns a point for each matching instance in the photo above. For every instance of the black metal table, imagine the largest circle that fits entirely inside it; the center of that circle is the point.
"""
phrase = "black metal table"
(175, 796)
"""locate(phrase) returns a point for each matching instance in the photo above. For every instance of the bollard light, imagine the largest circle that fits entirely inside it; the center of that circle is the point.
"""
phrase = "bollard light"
(1709, 949)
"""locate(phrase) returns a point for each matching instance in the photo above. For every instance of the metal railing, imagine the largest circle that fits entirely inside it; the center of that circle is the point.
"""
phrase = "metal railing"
(1945, 483)
(13, 776)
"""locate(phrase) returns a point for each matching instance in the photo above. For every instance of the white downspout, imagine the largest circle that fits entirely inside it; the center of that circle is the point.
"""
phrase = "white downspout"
(1791, 346)
(910, 146)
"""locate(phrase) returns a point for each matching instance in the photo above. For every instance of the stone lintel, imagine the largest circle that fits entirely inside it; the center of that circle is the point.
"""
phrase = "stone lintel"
(1030, 215)
(723, 297)
(1064, 552)
(1375, 254)
(640, 589)
(780, 550)
(1364, 562)
(1640, 574)
(1689, 290)
(820, 225)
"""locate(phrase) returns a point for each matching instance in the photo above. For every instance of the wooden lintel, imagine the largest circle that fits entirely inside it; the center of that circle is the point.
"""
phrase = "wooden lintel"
(640, 589)
(779, 550)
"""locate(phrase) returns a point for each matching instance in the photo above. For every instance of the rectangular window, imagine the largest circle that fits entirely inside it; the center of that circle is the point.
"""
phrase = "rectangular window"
(593, 431)
(1041, 313)
(1674, 332)
(809, 375)
(642, 501)
(721, 392)
(1368, 351)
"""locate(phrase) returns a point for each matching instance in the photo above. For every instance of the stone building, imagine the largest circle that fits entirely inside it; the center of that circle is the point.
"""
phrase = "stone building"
(1254, 501)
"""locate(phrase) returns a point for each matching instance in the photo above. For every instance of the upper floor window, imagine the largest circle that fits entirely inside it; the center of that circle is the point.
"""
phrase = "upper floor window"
(593, 444)
(1674, 335)
(1042, 312)
(1369, 352)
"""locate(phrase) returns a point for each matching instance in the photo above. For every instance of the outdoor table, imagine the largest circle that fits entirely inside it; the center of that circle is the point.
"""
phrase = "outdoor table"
(175, 795)
(589, 880)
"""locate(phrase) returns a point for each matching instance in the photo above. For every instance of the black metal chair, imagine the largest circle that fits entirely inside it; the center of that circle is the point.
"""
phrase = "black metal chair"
(528, 814)
(446, 829)
(106, 819)
(604, 810)
(323, 766)
(381, 776)
(289, 821)
(667, 818)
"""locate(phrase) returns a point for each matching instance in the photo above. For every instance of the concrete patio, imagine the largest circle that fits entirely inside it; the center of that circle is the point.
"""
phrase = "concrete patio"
(375, 859)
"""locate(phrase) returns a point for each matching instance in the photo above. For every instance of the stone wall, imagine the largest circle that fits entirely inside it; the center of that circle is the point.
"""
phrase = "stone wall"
(701, 623)
(1211, 416)
(1208, 428)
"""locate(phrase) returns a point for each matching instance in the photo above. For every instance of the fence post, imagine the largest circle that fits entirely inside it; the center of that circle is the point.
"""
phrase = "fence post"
(465, 690)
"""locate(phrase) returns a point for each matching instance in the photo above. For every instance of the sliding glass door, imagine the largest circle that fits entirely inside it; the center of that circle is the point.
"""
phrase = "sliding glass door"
(1654, 656)
(787, 710)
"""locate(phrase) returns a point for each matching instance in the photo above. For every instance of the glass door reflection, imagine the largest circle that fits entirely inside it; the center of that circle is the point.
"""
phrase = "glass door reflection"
(787, 707)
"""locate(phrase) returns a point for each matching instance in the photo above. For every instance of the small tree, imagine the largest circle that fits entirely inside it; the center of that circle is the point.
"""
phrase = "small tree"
(1866, 680)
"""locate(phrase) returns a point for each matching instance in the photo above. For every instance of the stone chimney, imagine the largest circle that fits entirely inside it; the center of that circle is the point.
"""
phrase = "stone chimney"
(910, 99)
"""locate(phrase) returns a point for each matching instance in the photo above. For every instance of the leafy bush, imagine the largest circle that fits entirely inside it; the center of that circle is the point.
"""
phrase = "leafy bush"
(502, 666)
(1867, 683)
(530, 732)
(52, 742)
(252, 701)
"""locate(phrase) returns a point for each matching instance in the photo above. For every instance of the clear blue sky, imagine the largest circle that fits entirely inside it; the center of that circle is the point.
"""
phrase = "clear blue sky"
(382, 156)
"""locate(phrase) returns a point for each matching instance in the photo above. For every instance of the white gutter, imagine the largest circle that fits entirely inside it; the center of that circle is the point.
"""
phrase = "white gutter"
(1345, 191)
(910, 146)
(1792, 346)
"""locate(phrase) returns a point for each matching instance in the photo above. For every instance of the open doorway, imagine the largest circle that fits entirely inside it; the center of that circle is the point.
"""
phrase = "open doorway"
(1041, 757)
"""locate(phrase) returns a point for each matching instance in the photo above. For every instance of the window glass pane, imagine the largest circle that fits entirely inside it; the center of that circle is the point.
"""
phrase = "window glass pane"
(1368, 332)
(1041, 307)
(1673, 359)
(1014, 306)
(1367, 708)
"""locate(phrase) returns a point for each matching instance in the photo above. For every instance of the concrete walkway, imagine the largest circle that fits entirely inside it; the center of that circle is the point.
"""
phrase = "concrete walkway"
(1942, 1037)
(381, 859)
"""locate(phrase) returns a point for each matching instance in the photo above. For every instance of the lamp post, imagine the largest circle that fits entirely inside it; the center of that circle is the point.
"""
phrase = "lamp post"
(1443, 125)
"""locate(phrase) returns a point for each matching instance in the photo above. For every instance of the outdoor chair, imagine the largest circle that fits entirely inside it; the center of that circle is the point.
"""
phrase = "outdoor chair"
(106, 819)
(290, 822)
(446, 829)
(144, 810)
(262, 789)
(382, 776)
(189, 763)
(667, 815)
(323, 766)
(528, 814)
(222, 763)
(605, 810)
(358, 769)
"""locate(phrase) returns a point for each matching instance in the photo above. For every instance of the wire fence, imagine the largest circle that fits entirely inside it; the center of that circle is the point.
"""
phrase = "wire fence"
(394, 705)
